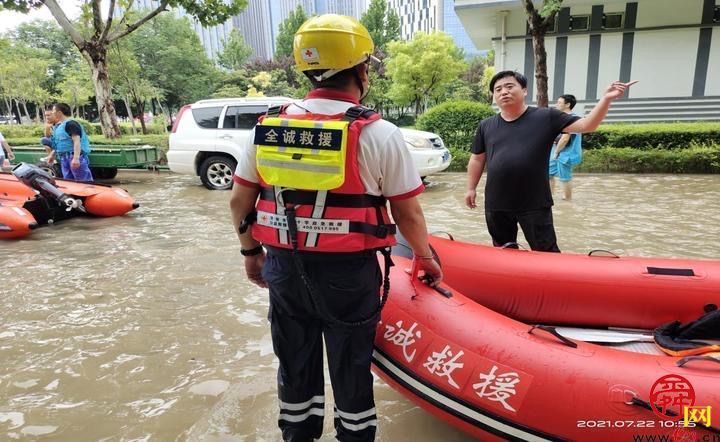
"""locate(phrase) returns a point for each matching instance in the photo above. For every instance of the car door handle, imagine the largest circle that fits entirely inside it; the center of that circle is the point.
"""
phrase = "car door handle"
(227, 137)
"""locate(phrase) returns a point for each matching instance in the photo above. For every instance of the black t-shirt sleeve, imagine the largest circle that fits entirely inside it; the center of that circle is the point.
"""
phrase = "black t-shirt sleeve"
(478, 145)
(560, 120)
(73, 128)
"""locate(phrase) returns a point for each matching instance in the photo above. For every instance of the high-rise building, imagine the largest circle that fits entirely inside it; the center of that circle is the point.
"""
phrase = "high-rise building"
(430, 16)
(451, 25)
(260, 22)
(415, 16)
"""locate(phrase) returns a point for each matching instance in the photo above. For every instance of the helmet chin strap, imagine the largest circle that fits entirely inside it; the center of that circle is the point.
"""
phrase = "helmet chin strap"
(363, 91)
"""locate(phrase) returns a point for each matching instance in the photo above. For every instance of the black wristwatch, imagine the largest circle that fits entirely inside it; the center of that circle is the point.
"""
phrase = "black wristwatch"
(252, 252)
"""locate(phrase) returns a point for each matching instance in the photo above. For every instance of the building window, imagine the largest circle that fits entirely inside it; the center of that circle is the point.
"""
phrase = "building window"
(612, 21)
(579, 22)
(553, 28)
(716, 16)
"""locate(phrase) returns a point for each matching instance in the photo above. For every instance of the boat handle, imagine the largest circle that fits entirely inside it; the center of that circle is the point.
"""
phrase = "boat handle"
(555, 333)
(687, 359)
(441, 232)
(612, 255)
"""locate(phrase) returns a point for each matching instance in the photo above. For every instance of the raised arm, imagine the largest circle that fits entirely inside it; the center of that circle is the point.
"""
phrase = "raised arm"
(596, 116)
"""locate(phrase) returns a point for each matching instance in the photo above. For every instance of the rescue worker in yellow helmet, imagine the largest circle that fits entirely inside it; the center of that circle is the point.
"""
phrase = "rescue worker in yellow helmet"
(312, 187)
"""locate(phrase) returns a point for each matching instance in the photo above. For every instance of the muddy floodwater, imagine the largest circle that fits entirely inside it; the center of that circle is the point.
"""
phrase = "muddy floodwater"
(143, 327)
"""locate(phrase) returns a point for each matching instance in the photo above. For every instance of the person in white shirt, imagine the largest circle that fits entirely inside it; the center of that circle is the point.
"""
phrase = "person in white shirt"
(314, 183)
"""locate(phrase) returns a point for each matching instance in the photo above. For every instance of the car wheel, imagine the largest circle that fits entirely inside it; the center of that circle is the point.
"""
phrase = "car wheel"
(216, 173)
(104, 173)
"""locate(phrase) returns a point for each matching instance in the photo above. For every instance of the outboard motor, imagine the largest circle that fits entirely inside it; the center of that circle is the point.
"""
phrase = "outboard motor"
(38, 179)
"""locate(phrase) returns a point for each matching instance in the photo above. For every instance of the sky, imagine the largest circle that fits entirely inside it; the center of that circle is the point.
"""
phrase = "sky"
(10, 20)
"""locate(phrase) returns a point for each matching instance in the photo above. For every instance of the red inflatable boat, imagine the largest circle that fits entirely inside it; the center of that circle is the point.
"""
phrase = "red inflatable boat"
(597, 290)
(33, 198)
(500, 379)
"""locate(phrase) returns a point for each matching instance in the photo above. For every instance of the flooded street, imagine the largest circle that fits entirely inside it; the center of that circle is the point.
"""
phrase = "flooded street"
(143, 327)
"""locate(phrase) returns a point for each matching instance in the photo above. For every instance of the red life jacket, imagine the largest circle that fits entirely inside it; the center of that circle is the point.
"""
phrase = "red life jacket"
(345, 219)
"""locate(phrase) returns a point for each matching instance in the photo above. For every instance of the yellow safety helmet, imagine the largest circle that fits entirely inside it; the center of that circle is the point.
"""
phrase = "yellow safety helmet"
(331, 42)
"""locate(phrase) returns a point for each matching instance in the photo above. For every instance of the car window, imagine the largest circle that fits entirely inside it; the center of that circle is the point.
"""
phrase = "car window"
(243, 117)
(207, 117)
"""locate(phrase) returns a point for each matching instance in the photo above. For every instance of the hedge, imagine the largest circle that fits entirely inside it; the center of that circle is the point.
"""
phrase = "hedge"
(695, 159)
(13, 131)
(159, 141)
(455, 121)
(653, 135)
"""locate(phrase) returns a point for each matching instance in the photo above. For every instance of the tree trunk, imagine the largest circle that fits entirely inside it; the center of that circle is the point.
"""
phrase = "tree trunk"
(140, 106)
(166, 116)
(9, 105)
(106, 109)
(541, 77)
(27, 114)
(130, 114)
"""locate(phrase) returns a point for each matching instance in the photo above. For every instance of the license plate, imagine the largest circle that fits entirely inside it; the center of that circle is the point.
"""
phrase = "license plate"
(446, 156)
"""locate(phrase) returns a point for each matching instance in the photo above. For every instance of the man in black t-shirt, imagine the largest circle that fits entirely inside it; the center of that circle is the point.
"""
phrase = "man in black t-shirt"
(515, 144)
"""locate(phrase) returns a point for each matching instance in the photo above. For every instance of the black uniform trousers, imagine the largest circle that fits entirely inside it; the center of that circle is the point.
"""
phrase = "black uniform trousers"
(537, 226)
(346, 288)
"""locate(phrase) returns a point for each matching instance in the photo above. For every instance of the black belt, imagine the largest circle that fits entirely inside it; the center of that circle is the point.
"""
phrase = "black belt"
(321, 256)
(307, 197)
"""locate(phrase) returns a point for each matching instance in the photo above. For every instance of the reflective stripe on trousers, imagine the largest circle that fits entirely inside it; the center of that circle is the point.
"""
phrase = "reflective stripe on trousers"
(350, 287)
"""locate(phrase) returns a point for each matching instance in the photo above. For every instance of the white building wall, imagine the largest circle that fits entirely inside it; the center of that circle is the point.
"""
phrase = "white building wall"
(576, 66)
(664, 62)
(550, 43)
(667, 12)
(610, 55)
(515, 60)
(712, 85)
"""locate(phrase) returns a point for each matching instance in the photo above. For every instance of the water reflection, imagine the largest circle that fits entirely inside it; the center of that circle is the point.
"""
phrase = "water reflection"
(143, 327)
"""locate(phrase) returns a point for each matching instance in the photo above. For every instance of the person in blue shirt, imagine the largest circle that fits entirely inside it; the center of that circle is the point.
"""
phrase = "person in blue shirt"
(566, 152)
(71, 145)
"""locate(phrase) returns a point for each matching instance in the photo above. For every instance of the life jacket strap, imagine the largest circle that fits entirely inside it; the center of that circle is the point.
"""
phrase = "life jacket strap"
(307, 197)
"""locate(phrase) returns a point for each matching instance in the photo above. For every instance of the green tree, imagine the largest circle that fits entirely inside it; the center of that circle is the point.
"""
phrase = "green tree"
(286, 34)
(422, 68)
(23, 72)
(46, 34)
(236, 52)
(174, 61)
(382, 23)
(129, 85)
(77, 88)
(539, 21)
(229, 90)
(106, 29)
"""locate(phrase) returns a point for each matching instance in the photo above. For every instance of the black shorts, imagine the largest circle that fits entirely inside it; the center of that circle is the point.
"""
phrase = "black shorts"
(537, 226)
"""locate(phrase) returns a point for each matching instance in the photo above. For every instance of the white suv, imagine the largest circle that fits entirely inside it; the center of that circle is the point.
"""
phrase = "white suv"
(207, 137)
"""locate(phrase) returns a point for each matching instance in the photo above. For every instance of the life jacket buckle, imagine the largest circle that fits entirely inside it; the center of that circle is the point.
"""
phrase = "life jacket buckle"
(382, 231)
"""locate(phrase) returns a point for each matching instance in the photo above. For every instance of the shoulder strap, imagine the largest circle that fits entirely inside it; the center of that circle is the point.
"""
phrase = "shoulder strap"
(360, 113)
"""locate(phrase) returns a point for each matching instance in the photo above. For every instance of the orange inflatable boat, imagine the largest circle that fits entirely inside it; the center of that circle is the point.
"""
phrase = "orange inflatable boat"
(30, 198)
(499, 379)
(596, 290)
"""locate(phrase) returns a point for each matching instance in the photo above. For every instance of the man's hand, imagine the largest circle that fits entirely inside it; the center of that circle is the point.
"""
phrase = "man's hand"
(75, 163)
(470, 196)
(253, 269)
(617, 89)
(431, 269)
